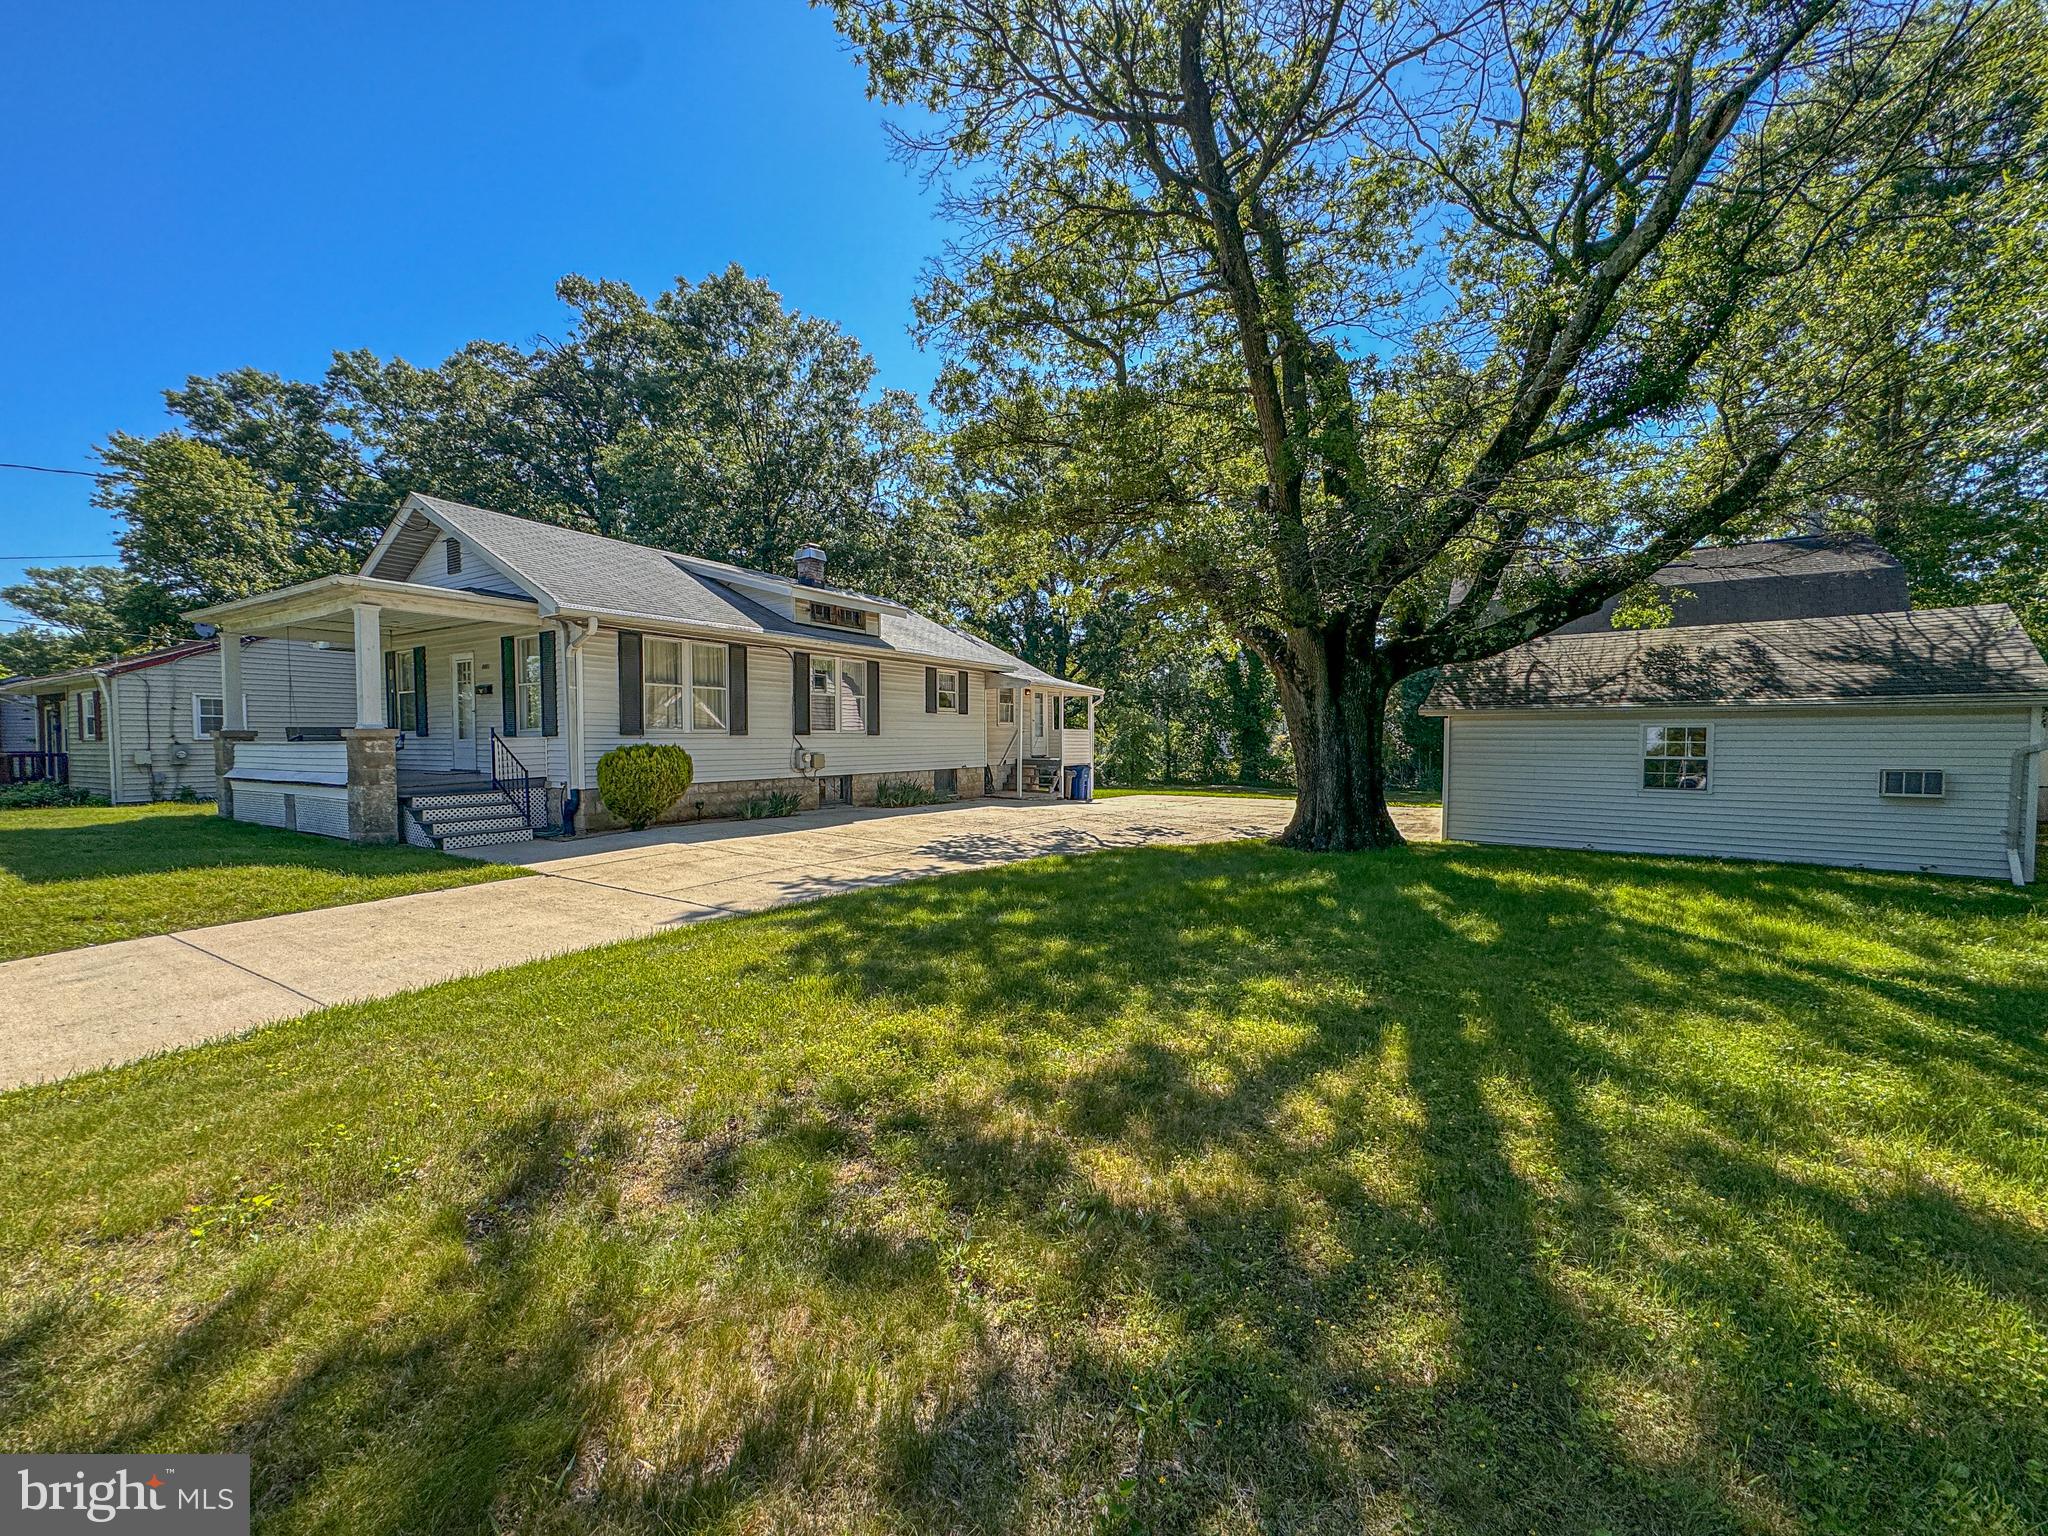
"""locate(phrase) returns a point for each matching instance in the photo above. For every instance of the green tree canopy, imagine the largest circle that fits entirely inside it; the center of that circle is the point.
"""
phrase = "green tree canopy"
(1355, 302)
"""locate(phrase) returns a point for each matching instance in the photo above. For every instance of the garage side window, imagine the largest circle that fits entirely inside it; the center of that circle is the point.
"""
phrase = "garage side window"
(1675, 757)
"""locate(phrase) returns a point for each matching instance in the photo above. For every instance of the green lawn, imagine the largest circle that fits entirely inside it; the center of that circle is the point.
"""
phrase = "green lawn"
(1450, 1189)
(89, 874)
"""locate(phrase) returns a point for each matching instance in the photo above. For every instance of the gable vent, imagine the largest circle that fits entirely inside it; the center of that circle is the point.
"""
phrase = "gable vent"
(454, 548)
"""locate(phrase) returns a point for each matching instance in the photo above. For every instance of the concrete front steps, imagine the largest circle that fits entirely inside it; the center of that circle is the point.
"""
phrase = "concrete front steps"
(470, 818)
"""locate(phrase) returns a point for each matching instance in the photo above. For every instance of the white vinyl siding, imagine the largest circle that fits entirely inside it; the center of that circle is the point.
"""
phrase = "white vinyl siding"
(284, 683)
(910, 739)
(1798, 786)
(477, 573)
(89, 760)
(17, 723)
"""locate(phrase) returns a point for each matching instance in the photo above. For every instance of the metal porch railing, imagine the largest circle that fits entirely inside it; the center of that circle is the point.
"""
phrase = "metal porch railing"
(511, 779)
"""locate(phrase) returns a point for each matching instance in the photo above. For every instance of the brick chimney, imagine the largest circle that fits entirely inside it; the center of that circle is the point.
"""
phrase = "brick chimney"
(810, 566)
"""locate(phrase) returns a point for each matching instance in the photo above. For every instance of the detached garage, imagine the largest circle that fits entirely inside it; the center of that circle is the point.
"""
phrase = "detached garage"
(1897, 740)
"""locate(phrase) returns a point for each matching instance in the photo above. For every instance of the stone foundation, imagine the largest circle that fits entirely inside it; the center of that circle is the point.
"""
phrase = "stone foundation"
(726, 797)
(703, 802)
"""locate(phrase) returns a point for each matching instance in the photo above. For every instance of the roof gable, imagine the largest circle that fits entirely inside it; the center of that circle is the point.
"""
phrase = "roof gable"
(569, 570)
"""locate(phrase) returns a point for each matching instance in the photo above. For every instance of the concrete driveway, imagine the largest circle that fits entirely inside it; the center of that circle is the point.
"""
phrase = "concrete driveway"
(85, 1008)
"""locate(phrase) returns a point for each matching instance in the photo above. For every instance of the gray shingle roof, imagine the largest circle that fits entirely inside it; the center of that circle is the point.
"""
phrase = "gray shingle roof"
(1929, 653)
(586, 572)
(1818, 554)
(1810, 577)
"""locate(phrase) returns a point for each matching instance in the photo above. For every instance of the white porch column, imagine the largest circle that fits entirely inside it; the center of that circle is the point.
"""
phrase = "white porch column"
(231, 716)
(1059, 720)
(369, 667)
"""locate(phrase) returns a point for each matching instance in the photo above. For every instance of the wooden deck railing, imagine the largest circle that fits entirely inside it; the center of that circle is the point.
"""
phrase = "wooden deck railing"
(35, 768)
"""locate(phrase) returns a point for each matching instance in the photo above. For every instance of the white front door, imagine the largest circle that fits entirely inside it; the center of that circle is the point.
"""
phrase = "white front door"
(1038, 725)
(463, 668)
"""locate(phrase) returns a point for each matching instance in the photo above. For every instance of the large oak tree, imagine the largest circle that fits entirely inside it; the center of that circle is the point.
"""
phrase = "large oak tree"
(1406, 332)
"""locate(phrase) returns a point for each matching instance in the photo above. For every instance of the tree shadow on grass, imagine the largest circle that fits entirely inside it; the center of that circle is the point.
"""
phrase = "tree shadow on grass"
(437, 1419)
(1513, 1022)
(1266, 1192)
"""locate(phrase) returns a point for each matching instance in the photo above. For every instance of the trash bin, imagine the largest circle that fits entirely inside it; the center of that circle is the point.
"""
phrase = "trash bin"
(1080, 781)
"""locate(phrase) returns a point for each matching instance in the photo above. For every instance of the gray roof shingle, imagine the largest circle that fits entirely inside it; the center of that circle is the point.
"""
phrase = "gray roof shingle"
(1875, 658)
(591, 573)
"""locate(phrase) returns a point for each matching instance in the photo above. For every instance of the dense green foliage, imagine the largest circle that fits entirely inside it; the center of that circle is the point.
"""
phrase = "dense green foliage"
(642, 781)
(90, 875)
(709, 419)
(1180, 1190)
(901, 792)
(43, 794)
(1393, 336)
(777, 802)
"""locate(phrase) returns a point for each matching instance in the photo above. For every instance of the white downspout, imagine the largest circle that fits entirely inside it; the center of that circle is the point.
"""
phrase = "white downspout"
(110, 731)
(2018, 810)
(574, 641)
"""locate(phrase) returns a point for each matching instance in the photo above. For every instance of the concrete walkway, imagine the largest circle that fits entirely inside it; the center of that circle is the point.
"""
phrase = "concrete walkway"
(85, 1008)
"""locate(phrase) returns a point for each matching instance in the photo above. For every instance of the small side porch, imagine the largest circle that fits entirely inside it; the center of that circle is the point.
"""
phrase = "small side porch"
(1039, 734)
(433, 752)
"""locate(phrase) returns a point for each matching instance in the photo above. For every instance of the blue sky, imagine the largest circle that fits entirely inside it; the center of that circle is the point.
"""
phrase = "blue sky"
(201, 186)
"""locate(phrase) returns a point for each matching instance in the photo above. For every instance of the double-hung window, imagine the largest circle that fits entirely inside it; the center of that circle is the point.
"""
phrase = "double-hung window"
(1675, 757)
(1006, 706)
(684, 685)
(664, 685)
(707, 688)
(824, 693)
(89, 715)
(406, 700)
(949, 691)
(528, 682)
(208, 715)
(853, 694)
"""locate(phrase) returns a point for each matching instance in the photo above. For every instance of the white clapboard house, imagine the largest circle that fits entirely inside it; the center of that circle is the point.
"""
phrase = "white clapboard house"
(496, 659)
(1796, 708)
(142, 727)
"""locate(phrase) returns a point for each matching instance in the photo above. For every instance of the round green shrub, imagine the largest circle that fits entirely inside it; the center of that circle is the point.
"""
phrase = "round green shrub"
(638, 782)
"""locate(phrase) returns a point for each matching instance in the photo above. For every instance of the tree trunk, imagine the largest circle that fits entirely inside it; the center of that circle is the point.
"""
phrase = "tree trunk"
(1336, 707)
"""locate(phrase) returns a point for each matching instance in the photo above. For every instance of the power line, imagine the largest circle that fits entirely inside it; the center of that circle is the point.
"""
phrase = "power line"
(45, 469)
(383, 505)
(103, 555)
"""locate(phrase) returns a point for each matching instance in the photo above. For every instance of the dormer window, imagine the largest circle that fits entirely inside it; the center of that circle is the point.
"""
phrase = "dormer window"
(454, 548)
(835, 615)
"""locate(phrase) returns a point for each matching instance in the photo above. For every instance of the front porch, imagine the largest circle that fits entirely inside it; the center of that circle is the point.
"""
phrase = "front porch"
(429, 756)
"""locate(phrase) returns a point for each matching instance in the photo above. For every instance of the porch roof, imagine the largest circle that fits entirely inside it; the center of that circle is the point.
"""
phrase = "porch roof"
(322, 608)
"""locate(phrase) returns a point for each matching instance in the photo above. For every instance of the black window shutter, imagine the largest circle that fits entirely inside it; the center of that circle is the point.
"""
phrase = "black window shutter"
(800, 690)
(736, 690)
(391, 690)
(508, 684)
(931, 690)
(550, 714)
(874, 698)
(632, 702)
(419, 688)
(962, 692)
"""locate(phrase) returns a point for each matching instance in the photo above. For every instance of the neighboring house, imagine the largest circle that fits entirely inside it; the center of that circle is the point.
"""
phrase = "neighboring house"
(1812, 577)
(499, 658)
(1881, 739)
(17, 724)
(142, 727)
